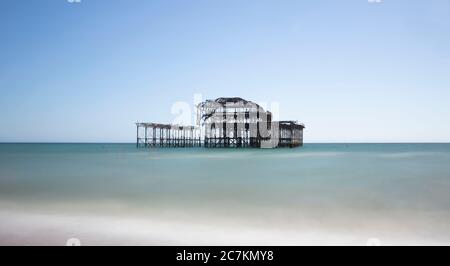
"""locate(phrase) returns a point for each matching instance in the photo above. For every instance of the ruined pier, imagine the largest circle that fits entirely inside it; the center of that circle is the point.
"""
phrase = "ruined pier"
(224, 123)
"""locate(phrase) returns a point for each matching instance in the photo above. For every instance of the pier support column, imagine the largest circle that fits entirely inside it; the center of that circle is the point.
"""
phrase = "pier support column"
(145, 137)
(137, 136)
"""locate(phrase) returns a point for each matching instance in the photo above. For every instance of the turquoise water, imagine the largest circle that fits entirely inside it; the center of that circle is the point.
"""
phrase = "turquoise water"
(319, 193)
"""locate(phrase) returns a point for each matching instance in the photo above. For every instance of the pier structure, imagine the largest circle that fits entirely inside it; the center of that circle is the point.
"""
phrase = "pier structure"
(235, 122)
(167, 135)
(224, 123)
(290, 134)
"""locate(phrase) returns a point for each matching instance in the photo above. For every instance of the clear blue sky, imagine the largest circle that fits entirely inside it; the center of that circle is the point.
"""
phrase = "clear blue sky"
(351, 70)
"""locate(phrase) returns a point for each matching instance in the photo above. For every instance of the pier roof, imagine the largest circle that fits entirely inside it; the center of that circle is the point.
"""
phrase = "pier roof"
(165, 126)
(291, 124)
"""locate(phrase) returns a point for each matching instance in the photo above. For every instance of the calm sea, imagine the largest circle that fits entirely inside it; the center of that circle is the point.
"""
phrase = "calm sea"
(317, 194)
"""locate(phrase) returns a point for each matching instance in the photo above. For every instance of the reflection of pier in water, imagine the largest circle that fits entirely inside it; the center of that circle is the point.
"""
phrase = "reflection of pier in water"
(225, 122)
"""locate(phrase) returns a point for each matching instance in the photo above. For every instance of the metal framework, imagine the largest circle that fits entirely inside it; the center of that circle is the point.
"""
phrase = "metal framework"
(165, 135)
(226, 122)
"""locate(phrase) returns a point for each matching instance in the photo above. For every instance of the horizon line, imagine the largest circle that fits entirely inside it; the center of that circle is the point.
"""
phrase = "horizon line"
(87, 142)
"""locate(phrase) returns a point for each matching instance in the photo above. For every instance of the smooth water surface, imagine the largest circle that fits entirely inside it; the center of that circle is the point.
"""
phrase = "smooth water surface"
(316, 194)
